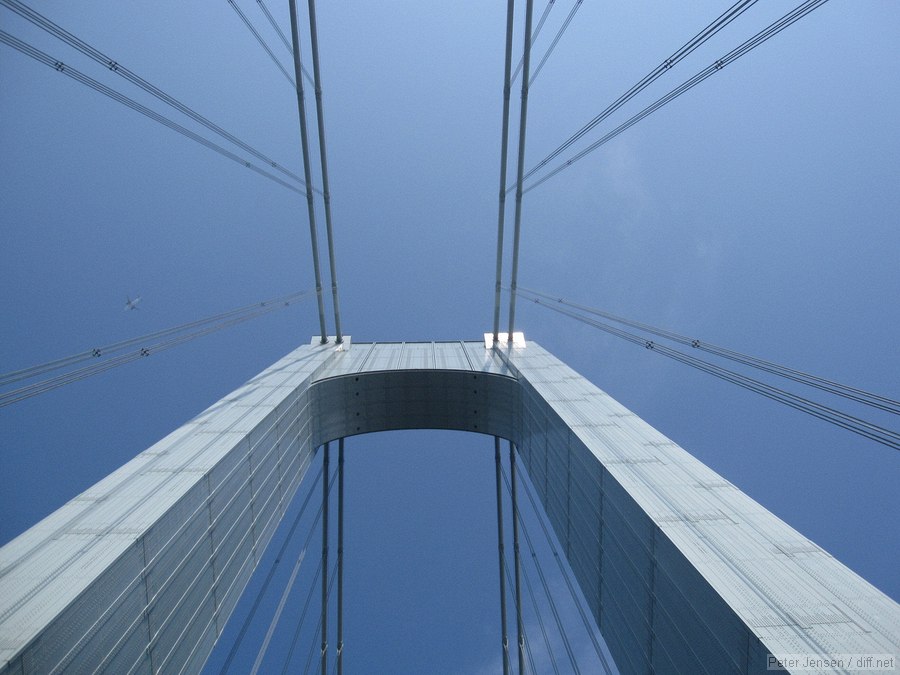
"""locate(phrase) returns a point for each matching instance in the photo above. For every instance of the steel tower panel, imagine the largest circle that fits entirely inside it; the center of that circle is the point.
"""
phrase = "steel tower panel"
(682, 571)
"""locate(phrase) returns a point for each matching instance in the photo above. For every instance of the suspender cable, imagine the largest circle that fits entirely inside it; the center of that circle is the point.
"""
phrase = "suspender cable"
(326, 194)
(504, 151)
(520, 635)
(526, 68)
(304, 142)
(318, 627)
(324, 619)
(264, 647)
(262, 591)
(504, 640)
(340, 561)
(528, 652)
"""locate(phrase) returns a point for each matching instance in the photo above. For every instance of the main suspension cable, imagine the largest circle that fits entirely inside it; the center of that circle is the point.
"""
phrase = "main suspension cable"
(93, 53)
(770, 31)
(304, 146)
(838, 418)
(323, 158)
(504, 152)
(78, 76)
(523, 115)
(846, 391)
(727, 17)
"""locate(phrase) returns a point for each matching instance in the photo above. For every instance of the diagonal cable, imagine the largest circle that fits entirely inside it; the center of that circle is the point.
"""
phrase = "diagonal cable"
(846, 391)
(43, 386)
(88, 50)
(281, 35)
(838, 418)
(709, 31)
(553, 610)
(556, 40)
(534, 36)
(769, 32)
(78, 76)
(589, 624)
(236, 643)
(98, 352)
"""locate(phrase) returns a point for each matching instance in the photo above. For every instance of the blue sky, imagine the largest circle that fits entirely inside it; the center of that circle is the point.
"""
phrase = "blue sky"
(758, 211)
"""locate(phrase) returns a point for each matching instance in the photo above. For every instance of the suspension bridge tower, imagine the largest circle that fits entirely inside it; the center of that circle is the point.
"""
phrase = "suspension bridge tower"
(681, 570)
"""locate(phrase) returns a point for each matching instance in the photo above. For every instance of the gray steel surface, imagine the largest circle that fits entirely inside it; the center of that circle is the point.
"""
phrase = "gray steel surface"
(682, 571)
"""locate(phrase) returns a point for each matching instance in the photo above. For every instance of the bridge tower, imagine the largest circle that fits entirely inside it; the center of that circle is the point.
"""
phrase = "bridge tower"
(682, 571)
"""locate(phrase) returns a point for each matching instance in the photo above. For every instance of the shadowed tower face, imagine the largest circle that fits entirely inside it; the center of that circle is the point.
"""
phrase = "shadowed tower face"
(681, 570)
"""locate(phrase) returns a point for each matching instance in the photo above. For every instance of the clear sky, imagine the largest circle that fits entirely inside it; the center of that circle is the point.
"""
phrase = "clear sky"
(758, 211)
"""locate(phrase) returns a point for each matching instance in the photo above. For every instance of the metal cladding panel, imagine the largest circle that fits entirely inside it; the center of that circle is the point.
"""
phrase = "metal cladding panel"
(85, 629)
(413, 399)
(190, 542)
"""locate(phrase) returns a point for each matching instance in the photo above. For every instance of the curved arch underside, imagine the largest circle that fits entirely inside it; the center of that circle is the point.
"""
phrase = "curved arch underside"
(682, 571)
